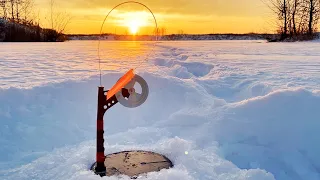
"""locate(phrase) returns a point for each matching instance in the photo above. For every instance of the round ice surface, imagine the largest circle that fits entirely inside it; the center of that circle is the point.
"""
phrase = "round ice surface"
(134, 163)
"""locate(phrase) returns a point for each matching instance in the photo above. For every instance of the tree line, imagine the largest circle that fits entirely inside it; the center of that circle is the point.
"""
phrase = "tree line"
(20, 11)
(22, 19)
(296, 18)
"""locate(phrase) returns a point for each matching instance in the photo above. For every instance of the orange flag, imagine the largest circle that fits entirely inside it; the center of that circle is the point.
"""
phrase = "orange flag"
(124, 80)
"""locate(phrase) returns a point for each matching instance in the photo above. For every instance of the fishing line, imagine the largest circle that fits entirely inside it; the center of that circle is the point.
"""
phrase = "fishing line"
(156, 32)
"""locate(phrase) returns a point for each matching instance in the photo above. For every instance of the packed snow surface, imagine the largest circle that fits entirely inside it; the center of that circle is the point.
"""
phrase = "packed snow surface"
(243, 110)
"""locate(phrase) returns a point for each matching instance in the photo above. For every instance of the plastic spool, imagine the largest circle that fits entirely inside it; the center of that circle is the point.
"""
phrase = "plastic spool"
(135, 99)
(102, 26)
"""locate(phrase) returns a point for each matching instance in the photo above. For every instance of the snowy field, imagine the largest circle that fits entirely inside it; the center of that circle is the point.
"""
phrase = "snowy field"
(243, 110)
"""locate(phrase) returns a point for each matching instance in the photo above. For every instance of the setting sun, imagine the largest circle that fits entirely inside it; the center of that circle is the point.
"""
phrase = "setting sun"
(133, 27)
(134, 21)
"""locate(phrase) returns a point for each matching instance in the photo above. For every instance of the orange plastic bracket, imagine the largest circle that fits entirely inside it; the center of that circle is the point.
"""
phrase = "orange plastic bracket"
(124, 80)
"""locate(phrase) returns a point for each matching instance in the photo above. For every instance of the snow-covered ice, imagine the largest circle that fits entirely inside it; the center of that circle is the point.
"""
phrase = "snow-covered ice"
(247, 110)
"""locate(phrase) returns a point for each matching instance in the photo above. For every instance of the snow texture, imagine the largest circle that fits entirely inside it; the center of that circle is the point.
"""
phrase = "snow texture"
(243, 110)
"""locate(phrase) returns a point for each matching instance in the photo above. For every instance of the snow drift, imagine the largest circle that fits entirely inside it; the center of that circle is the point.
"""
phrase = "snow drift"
(234, 124)
(253, 134)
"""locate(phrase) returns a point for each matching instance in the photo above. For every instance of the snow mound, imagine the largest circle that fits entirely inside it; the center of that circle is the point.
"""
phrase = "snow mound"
(184, 70)
(39, 120)
(277, 132)
(241, 110)
(74, 162)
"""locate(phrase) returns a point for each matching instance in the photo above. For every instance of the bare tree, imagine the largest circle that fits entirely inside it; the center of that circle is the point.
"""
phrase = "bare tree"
(20, 10)
(280, 8)
(3, 5)
(181, 32)
(58, 19)
(297, 17)
(52, 3)
(27, 11)
(160, 31)
(284, 14)
(156, 32)
(294, 11)
(163, 31)
(17, 4)
(312, 7)
(12, 2)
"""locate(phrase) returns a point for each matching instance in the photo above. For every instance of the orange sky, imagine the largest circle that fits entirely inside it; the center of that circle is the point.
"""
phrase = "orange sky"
(190, 16)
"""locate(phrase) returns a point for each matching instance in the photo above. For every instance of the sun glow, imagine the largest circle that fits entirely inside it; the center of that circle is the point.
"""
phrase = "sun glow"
(134, 21)
(134, 27)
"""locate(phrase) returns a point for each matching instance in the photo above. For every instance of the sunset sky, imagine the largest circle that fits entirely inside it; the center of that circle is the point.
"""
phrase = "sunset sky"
(190, 16)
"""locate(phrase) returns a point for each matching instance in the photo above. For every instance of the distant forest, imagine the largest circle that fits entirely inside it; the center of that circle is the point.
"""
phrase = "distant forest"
(174, 37)
(18, 22)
